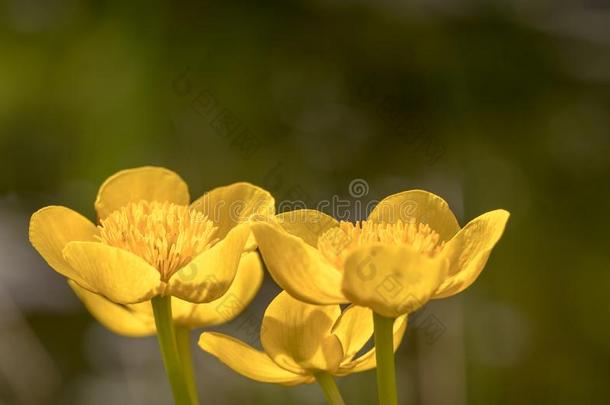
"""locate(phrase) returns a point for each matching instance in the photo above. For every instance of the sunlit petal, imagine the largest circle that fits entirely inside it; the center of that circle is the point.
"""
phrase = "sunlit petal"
(306, 224)
(299, 336)
(354, 328)
(209, 275)
(51, 228)
(298, 267)
(143, 183)
(469, 250)
(230, 205)
(367, 361)
(248, 361)
(224, 309)
(419, 206)
(392, 280)
(117, 274)
(118, 318)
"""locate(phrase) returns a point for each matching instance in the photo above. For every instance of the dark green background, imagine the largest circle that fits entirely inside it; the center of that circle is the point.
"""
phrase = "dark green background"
(489, 104)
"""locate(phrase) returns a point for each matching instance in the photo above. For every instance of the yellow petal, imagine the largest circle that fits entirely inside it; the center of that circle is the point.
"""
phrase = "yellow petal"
(233, 204)
(469, 250)
(248, 361)
(118, 318)
(242, 291)
(181, 310)
(298, 336)
(367, 361)
(392, 280)
(143, 183)
(51, 228)
(297, 267)
(250, 245)
(117, 274)
(419, 206)
(209, 275)
(353, 329)
(306, 224)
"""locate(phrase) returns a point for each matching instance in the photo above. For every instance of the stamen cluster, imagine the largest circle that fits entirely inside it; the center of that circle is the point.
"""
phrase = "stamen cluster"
(166, 235)
(337, 243)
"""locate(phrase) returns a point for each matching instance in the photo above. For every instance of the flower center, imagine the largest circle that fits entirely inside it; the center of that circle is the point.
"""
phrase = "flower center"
(166, 235)
(337, 243)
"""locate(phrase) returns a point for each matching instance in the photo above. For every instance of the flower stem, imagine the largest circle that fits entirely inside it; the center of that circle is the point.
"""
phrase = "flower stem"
(183, 339)
(162, 308)
(384, 352)
(331, 391)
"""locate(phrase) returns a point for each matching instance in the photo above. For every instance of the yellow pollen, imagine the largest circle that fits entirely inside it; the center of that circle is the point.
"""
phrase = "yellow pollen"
(166, 235)
(337, 243)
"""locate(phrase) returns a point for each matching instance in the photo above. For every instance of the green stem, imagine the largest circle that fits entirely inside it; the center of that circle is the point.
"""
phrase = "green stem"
(331, 391)
(183, 339)
(384, 352)
(162, 308)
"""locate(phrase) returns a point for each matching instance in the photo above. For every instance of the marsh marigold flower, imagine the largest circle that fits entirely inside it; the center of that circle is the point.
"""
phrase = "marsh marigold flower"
(301, 340)
(409, 250)
(136, 320)
(150, 241)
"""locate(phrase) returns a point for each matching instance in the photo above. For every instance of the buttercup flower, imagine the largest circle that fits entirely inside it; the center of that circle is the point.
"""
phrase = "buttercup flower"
(301, 341)
(137, 320)
(150, 242)
(409, 250)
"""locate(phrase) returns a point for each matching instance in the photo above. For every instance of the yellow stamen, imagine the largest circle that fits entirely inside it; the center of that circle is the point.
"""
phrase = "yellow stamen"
(337, 243)
(166, 235)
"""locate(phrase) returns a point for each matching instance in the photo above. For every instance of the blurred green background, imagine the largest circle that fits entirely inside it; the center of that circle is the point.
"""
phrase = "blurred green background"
(498, 104)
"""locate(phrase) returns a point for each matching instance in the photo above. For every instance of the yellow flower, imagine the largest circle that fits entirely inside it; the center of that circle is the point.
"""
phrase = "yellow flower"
(137, 320)
(301, 340)
(409, 250)
(149, 240)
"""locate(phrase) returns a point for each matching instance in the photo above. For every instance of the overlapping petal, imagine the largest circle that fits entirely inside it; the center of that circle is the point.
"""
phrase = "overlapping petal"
(392, 280)
(354, 329)
(469, 250)
(248, 361)
(231, 205)
(368, 361)
(244, 287)
(117, 274)
(137, 319)
(300, 340)
(297, 335)
(307, 224)
(209, 275)
(419, 206)
(298, 267)
(119, 319)
(147, 183)
(51, 228)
